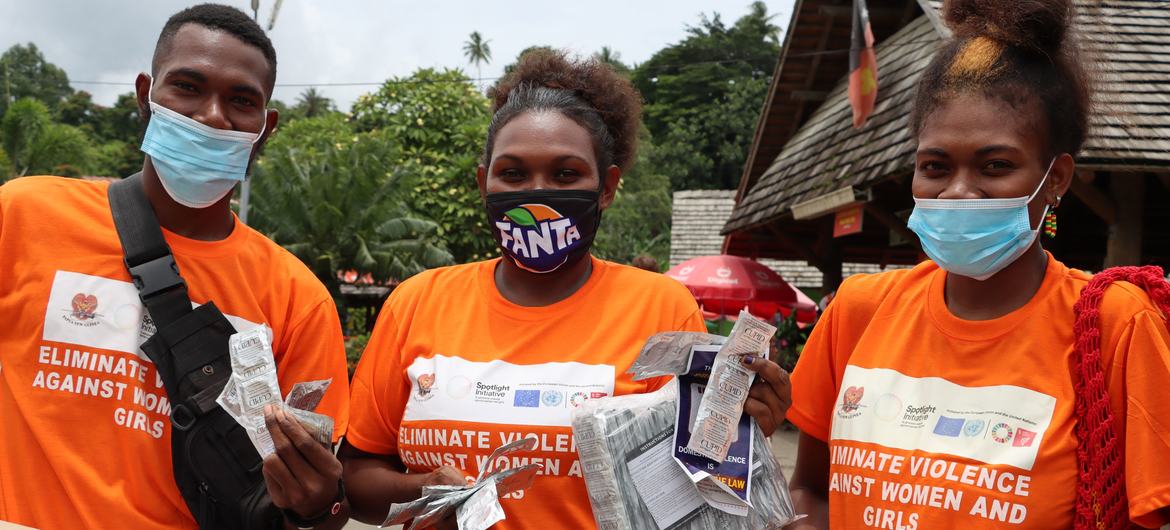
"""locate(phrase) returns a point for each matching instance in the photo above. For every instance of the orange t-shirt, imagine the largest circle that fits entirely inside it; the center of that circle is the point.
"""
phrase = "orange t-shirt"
(85, 437)
(454, 370)
(937, 422)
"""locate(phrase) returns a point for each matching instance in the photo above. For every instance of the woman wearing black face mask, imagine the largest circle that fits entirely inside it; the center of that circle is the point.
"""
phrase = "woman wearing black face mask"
(469, 357)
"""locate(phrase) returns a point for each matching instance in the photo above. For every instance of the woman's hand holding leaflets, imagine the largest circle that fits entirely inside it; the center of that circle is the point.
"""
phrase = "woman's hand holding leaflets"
(303, 476)
(770, 394)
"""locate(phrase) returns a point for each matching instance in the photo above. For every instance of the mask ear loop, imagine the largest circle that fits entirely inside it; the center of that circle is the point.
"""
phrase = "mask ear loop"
(1037, 192)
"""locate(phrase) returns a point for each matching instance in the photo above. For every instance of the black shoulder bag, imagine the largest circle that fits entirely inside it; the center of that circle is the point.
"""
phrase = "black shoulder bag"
(217, 469)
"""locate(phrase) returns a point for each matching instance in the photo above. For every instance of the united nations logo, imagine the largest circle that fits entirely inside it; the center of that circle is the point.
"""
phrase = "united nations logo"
(974, 428)
(551, 398)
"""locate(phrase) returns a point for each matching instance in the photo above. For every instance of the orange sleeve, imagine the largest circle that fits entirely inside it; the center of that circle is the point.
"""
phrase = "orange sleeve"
(379, 392)
(1145, 344)
(314, 350)
(814, 380)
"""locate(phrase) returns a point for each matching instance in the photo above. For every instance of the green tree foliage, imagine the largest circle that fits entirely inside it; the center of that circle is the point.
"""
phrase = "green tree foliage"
(688, 87)
(440, 122)
(24, 73)
(36, 145)
(332, 197)
(312, 103)
(638, 221)
(608, 56)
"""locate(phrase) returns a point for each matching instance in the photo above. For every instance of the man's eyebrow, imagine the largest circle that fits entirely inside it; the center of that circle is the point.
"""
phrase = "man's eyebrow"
(188, 72)
(250, 90)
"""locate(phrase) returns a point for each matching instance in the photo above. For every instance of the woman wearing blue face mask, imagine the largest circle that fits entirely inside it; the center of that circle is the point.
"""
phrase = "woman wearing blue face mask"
(960, 393)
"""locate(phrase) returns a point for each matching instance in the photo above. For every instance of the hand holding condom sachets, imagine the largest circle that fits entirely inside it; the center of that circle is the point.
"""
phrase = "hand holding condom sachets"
(638, 470)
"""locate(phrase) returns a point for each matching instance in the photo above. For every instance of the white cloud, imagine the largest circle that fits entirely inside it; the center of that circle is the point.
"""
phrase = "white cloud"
(346, 41)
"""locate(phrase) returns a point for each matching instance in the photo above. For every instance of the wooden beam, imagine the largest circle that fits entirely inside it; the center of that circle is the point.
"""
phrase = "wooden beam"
(802, 249)
(1125, 236)
(832, 272)
(808, 95)
(1097, 201)
(892, 222)
(811, 77)
(847, 12)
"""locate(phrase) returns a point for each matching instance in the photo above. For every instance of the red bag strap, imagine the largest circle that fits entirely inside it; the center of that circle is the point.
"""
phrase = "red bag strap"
(1101, 502)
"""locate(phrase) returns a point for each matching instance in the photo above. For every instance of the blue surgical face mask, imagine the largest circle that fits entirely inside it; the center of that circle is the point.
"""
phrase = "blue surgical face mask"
(975, 238)
(197, 165)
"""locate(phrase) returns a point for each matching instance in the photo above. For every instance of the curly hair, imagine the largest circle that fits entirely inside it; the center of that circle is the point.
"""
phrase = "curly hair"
(220, 18)
(587, 91)
(1021, 52)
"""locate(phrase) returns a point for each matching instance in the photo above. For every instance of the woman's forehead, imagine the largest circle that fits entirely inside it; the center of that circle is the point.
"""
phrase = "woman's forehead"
(976, 121)
(547, 133)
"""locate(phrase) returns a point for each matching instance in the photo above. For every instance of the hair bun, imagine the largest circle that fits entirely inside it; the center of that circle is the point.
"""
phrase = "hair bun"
(1038, 25)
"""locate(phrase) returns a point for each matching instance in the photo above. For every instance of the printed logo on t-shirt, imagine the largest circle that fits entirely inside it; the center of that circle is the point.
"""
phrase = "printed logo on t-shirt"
(454, 389)
(102, 313)
(941, 417)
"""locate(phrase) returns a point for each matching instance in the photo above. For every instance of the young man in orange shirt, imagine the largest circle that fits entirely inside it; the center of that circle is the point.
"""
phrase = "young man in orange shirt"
(86, 426)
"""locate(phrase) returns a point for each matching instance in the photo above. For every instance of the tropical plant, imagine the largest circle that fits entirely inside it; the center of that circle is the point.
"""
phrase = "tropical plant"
(608, 56)
(638, 221)
(332, 197)
(24, 73)
(36, 145)
(478, 51)
(440, 121)
(703, 96)
(313, 103)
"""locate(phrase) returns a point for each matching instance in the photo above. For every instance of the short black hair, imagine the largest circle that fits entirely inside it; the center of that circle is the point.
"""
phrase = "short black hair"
(221, 18)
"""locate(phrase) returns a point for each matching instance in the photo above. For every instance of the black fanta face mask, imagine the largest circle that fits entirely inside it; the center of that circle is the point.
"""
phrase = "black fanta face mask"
(544, 230)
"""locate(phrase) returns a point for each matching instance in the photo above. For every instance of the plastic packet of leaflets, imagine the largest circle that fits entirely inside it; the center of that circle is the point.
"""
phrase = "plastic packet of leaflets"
(720, 409)
(476, 506)
(628, 451)
(253, 385)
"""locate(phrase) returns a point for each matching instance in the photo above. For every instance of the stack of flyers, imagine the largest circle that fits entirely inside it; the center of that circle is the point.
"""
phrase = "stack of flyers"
(253, 386)
(476, 506)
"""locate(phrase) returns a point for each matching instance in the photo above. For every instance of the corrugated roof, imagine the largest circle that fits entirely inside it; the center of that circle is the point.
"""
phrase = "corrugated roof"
(1131, 125)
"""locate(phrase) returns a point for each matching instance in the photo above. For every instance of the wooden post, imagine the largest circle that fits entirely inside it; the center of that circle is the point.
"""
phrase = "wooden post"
(831, 257)
(1125, 235)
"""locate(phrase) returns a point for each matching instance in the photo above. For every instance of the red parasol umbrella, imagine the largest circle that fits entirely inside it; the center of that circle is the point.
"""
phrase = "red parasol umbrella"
(725, 284)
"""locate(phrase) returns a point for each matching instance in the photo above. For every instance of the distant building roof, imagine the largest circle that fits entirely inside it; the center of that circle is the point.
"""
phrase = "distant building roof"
(822, 152)
(694, 231)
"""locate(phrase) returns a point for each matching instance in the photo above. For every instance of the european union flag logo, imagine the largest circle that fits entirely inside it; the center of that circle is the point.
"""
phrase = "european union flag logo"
(949, 426)
(526, 398)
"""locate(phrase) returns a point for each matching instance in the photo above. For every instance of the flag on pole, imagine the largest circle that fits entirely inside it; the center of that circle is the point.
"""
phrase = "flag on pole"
(863, 76)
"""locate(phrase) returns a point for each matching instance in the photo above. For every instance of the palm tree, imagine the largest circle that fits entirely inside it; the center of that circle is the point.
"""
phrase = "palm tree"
(313, 103)
(612, 58)
(32, 144)
(477, 51)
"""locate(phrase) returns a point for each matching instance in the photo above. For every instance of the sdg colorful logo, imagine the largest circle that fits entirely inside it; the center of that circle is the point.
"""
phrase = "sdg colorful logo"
(539, 237)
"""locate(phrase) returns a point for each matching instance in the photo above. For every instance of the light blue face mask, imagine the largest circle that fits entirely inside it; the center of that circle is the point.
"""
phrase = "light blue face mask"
(975, 238)
(197, 165)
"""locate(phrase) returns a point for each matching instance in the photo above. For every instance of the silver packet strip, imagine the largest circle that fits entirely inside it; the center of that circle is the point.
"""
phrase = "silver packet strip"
(722, 403)
(253, 386)
(474, 508)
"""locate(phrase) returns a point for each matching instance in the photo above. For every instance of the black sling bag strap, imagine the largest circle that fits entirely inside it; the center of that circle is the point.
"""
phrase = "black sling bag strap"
(217, 469)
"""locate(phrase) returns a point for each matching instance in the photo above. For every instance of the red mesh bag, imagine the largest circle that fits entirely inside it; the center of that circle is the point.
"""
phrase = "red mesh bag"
(1101, 502)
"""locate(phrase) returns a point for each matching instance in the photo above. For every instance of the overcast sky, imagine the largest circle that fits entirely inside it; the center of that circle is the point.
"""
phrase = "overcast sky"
(357, 41)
